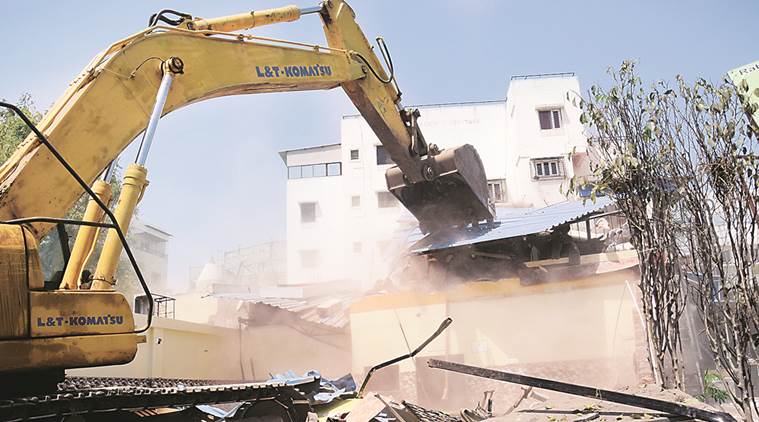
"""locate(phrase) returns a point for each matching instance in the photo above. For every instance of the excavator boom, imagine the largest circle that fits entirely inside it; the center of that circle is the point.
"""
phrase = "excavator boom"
(110, 103)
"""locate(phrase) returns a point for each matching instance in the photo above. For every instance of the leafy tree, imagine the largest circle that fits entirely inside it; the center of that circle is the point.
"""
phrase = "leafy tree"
(630, 164)
(683, 164)
(13, 130)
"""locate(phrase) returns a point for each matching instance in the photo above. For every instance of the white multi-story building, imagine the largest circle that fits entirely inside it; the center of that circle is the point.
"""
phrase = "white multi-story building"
(343, 224)
(150, 247)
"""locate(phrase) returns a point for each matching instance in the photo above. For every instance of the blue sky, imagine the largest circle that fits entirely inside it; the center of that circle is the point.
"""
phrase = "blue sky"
(216, 179)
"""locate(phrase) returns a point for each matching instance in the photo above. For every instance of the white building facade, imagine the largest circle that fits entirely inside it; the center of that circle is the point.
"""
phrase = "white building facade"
(343, 224)
(150, 247)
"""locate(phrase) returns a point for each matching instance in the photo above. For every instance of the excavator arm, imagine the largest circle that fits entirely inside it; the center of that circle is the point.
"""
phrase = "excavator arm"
(122, 93)
(110, 103)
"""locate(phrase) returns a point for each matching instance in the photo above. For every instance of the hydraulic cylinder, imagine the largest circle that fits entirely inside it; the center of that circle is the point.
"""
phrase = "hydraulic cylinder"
(135, 182)
(86, 237)
(249, 20)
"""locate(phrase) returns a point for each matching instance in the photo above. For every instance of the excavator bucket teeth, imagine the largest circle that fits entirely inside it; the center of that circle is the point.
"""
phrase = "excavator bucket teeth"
(457, 197)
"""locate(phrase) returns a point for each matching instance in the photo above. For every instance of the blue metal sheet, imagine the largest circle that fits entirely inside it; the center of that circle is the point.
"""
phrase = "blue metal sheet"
(512, 222)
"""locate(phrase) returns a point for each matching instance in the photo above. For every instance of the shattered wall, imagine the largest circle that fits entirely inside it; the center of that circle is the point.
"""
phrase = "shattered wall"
(581, 331)
(273, 349)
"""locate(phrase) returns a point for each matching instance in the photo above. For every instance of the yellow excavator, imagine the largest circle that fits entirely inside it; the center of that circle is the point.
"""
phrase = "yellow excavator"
(122, 93)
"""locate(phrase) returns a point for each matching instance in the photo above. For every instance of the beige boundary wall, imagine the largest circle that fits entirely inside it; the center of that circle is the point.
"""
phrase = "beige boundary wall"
(179, 349)
(582, 331)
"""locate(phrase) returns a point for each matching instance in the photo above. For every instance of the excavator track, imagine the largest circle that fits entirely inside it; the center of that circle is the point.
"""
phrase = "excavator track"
(106, 395)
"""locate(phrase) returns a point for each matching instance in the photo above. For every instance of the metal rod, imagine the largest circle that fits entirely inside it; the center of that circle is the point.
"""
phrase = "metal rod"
(584, 391)
(160, 101)
(50, 220)
(390, 408)
(108, 173)
(434, 335)
(309, 10)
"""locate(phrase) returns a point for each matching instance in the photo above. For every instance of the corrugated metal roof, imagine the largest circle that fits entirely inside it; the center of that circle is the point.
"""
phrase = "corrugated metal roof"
(514, 222)
(331, 311)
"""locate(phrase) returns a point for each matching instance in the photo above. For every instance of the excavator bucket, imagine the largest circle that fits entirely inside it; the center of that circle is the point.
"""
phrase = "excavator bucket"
(458, 196)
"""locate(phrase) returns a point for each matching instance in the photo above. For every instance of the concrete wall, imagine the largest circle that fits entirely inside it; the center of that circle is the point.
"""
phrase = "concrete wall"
(277, 348)
(581, 331)
(179, 349)
(321, 234)
(482, 125)
(526, 140)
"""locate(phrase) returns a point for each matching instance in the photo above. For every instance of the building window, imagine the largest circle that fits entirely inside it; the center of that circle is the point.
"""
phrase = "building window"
(354, 154)
(546, 168)
(549, 119)
(334, 169)
(307, 212)
(382, 156)
(357, 247)
(355, 201)
(314, 170)
(497, 190)
(320, 170)
(386, 200)
(309, 258)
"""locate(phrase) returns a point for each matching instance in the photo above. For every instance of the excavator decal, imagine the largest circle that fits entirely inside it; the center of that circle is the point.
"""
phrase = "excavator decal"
(60, 321)
(293, 71)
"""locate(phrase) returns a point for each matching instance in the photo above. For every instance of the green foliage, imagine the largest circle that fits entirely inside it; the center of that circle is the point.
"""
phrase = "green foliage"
(712, 388)
(12, 128)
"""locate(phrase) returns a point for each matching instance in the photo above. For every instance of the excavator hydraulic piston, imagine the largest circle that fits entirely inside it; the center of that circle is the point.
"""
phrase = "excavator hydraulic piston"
(247, 20)
(135, 182)
(86, 237)
(173, 65)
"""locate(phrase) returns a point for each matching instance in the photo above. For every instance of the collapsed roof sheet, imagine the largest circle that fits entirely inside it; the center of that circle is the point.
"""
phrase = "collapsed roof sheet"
(513, 222)
(331, 311)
